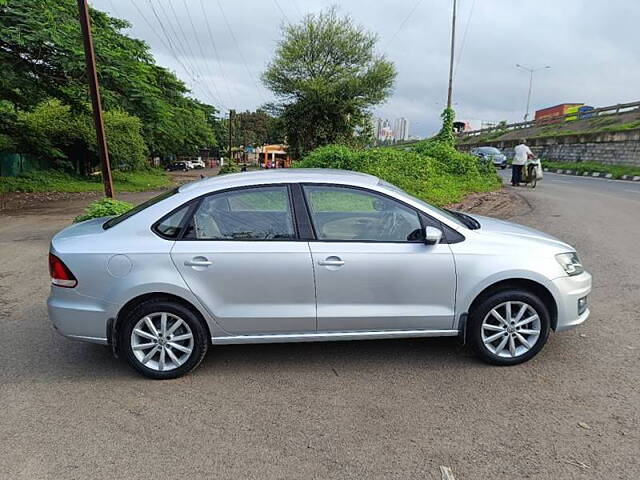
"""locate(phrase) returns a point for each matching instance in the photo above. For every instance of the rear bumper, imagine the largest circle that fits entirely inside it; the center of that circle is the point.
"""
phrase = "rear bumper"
(77, 316)
(568, 291)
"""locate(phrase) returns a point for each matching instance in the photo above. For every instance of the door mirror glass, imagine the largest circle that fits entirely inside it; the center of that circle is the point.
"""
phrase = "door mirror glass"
(432, 235)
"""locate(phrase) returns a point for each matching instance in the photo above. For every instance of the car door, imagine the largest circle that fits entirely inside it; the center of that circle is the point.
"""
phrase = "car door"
(373, 271)
(242, 258)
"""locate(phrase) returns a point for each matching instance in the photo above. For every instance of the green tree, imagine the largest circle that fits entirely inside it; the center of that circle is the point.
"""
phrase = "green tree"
(42, 57)
(327, 75)
(52, 131)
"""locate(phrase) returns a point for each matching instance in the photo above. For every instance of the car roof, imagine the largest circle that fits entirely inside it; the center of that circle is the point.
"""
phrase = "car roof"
(280, 175)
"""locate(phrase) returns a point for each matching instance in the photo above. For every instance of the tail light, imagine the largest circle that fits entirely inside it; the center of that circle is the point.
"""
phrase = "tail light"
(61, 276)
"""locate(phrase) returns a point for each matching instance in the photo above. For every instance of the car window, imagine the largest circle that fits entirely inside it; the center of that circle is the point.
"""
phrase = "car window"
(349, 214)
(170, 226)
(261, 213)
(139, 208)
(489, 150)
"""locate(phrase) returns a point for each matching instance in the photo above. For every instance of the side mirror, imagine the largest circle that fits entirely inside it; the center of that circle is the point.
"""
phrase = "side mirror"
(432, 235)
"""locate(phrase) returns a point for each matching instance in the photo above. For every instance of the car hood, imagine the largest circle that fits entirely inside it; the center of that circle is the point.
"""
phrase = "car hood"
(508, 229)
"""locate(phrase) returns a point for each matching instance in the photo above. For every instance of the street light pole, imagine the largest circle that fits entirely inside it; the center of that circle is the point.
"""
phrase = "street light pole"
(531, 72)
(94, 88)
(453, 46)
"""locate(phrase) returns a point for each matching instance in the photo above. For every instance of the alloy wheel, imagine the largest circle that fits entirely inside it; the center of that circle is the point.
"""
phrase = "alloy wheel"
(511, 329)
(162, 341)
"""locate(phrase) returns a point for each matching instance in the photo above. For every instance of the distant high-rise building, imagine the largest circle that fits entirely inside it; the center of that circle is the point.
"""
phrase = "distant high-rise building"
(401, 129)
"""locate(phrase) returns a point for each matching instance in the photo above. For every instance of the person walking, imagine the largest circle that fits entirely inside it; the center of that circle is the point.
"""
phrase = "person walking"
(522, 154)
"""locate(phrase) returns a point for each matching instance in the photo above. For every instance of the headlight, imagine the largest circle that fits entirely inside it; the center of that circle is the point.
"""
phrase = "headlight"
(570, 263)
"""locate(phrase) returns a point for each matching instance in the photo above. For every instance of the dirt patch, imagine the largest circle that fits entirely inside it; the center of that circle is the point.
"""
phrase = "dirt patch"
(503, 204)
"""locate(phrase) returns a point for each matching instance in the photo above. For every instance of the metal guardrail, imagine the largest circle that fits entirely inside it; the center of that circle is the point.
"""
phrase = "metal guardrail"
(611, 110)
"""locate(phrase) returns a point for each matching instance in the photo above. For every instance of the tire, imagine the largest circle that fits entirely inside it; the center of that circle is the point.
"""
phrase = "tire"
(503, 167)
(483, 325)
(175, 361)
(531, 175)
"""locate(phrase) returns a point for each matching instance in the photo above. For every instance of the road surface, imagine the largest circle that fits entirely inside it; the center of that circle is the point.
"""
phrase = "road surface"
(379, 409)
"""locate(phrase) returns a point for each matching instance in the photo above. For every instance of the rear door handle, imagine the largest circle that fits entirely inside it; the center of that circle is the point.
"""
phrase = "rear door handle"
(331, 262)
(198, 262)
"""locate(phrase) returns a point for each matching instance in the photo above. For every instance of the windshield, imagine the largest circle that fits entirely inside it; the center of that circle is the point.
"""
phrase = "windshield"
(489, 150)
(138, 208)
(448, 215)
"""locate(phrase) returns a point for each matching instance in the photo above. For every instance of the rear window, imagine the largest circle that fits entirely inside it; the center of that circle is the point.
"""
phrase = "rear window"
(489, 150)
(138, 208)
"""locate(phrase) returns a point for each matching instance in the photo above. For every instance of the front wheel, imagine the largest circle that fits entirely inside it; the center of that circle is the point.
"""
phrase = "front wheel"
(163, 339)
(509, 327)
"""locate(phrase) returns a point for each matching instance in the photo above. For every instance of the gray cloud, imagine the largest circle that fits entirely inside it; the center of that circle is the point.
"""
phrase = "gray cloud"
(591, 47)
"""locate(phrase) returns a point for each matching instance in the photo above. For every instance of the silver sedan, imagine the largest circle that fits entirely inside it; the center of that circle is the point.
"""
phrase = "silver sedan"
(307, 255)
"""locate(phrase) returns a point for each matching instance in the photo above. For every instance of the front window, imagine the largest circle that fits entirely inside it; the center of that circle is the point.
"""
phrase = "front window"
(261, 213)
(348, 214)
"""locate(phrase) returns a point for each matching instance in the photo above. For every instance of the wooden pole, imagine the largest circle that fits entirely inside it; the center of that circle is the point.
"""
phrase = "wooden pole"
(94, 88)
(231, 112)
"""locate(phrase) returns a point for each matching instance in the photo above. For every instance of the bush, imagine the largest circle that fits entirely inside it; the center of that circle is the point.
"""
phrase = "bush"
(106, 207)
(229, 167)
(433, 171)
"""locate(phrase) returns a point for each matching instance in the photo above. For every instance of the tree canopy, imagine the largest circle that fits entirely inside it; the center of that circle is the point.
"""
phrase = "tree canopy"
(42, 58)
(327, 75)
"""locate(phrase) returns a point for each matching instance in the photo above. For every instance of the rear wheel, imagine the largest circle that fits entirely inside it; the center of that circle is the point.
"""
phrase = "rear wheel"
(508, 327)
(531, 176)
(163, 339)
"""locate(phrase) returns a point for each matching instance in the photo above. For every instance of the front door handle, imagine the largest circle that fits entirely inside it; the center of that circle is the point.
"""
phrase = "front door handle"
(331, 262)
(198, 262)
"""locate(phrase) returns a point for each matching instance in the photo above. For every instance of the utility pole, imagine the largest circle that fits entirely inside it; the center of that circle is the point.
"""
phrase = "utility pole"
(531, 72)
(94, 88)
(231, 114)
(453, 47)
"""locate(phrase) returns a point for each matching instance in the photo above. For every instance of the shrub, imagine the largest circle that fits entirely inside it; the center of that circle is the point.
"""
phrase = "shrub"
(229, 167)
(106, 207)
(433, 171)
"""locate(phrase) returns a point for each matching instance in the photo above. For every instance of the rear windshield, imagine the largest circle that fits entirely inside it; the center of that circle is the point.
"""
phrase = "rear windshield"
(138, 208)
(489, 150)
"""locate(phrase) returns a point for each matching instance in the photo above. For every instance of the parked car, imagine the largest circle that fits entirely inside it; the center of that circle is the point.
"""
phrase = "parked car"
(491, 154)
(198, 163)
(181, 166)
(307, 255)
(190, 165)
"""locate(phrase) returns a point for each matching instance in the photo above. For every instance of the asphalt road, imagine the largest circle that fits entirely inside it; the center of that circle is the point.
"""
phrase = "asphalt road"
(379, 409)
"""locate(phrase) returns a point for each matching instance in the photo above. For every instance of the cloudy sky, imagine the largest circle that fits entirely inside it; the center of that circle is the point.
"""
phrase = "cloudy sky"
(592, 47)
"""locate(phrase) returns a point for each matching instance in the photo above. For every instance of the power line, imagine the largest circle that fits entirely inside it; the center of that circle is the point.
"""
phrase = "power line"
(281, 11)
(208, 68)
(235, 40)
(464, 36)
(185, 51)
(188, 69)
(215, 50)
(393, 37)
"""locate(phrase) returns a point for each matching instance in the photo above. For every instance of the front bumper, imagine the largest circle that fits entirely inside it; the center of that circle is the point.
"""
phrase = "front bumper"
(568, 291)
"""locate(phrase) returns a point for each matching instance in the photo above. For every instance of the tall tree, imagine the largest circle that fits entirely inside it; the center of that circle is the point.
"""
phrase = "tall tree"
(41, 57)
(327, 76)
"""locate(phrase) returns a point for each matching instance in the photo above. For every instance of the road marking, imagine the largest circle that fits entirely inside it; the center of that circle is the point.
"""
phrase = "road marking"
(560, 181)
(446, 473)
(632, 191)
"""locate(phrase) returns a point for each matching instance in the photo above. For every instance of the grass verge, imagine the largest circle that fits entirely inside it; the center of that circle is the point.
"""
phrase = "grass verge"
(580, 167)
(56, 181)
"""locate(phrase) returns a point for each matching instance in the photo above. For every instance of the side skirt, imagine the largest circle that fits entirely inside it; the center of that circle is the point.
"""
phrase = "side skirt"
(331, 336)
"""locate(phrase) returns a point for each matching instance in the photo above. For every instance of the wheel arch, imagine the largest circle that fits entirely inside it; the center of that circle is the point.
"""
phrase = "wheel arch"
(525, 284)
(113, 324)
